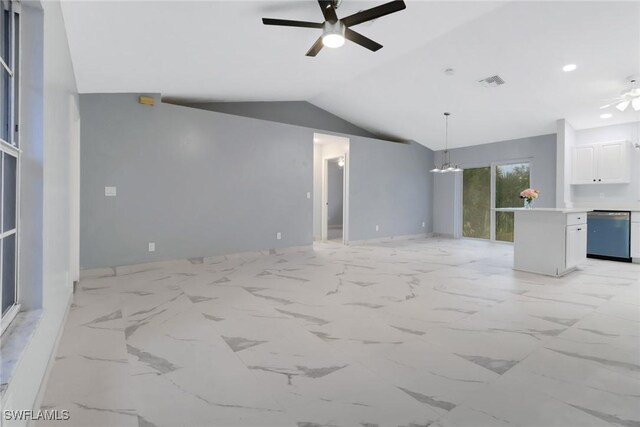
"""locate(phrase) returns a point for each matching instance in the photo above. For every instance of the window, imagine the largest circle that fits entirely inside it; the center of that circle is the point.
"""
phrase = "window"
(496, 186)
(510, 180)
(9, 160)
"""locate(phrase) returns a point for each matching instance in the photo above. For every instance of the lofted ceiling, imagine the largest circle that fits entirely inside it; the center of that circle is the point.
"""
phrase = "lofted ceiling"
(220, 51)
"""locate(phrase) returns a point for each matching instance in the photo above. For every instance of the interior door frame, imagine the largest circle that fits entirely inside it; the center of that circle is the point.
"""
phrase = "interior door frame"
(345, 198)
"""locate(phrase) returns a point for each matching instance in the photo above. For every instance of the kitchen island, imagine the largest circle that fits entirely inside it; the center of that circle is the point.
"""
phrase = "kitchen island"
(550, 241)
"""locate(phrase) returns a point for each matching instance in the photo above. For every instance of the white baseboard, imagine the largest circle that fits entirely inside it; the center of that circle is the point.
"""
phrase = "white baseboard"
(390, 239)
(445, 235)
(135, 268)
(45, 380)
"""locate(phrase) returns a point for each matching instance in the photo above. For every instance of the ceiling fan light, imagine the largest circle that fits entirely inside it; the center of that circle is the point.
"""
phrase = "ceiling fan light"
(333, 34)
(622, 105)
(436, 169)
(636, 104)
(333, 40)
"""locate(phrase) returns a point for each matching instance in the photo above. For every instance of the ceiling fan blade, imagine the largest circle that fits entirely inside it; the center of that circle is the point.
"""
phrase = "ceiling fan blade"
(315, 48)
(374, 13)
(289, 23)
(328, 11)
(363, 41)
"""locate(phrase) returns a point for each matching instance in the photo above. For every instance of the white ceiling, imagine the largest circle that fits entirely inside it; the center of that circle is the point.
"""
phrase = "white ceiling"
(220, 51)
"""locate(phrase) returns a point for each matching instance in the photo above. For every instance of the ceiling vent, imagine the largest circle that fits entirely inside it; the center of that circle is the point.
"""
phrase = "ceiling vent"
(493, 81)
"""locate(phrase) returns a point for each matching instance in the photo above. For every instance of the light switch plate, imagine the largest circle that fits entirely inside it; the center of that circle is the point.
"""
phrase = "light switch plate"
(377, 228)
(308, 194)
(110, 191)
(152, 246)
(279, 235)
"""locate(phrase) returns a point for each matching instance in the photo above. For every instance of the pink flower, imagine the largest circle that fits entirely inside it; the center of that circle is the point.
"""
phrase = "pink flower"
(529, 193)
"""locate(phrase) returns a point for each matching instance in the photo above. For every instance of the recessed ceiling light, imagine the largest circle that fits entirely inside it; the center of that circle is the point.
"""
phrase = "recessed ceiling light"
(569, 67)
(606, 116)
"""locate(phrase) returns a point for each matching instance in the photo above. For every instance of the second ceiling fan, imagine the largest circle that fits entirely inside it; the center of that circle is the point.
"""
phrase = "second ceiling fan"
(335, 31)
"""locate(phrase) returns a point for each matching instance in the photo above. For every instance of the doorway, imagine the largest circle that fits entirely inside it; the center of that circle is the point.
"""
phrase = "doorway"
(330, 188)
(335, 198)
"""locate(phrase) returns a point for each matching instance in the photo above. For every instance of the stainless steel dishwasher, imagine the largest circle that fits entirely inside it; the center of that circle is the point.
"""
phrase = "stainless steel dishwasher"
(609, 235)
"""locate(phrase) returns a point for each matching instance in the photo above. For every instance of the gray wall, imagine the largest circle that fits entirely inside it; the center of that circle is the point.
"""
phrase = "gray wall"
(335, 193)
(540, 151)
(201, 183)
(447, 204)
(299, 113)
(390, 186)
(194, 182)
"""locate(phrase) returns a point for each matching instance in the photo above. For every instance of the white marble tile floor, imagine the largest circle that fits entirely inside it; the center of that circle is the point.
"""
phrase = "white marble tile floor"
(423, 332)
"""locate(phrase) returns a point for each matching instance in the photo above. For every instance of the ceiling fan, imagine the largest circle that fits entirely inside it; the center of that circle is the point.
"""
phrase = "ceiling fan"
(630, 96)
(335, 31)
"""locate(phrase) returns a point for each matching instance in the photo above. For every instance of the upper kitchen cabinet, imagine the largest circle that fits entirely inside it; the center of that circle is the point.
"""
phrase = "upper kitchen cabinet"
(603, 163)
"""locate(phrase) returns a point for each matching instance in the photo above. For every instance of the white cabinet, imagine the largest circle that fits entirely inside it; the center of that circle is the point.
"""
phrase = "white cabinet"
(584, 165)
(549, 241)
(635, 236)
(604, 163)
(576, 251)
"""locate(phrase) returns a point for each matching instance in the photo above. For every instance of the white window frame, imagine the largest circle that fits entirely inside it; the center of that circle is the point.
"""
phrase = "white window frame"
(492, 190)
(494, 166)
(10, 147)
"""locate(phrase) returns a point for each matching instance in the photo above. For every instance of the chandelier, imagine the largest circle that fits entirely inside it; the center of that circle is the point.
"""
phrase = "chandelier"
(446, 165)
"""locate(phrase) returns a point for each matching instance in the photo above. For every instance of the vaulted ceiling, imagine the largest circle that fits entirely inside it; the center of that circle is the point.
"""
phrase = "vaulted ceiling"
(220, 51)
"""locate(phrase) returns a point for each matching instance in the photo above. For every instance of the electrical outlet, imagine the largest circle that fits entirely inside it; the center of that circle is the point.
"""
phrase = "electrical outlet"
(308, 194)
(279, 235)
(423, 224)
(152, 246)
(377, 227)
(110, 191)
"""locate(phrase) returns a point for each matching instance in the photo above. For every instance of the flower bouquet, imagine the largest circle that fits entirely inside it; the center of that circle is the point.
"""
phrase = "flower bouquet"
(529, 195)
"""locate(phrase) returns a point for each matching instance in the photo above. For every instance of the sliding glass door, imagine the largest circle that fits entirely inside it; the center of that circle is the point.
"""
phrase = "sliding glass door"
(483, 188)
(476, 203)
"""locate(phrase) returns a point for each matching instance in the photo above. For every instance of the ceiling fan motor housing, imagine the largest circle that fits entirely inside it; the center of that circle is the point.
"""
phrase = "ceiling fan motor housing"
(336, 27)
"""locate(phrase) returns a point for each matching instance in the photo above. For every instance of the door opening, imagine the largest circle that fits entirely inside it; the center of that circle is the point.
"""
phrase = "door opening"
(335, 199)
(331, 188)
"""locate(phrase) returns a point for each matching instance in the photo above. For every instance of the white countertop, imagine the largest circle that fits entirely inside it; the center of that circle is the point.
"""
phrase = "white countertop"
(560, 210)
(612, 208)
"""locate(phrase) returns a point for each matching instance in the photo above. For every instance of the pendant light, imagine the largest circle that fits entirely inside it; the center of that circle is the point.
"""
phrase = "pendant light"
(446, 165)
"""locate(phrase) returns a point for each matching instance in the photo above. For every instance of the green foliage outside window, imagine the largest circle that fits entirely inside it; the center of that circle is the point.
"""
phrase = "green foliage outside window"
(476, 195)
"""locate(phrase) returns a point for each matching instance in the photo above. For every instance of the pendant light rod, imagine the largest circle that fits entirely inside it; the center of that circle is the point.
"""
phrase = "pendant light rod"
(446, 138)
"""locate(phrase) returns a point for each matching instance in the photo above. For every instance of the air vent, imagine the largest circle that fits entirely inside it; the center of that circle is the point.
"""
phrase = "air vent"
(493, 81)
